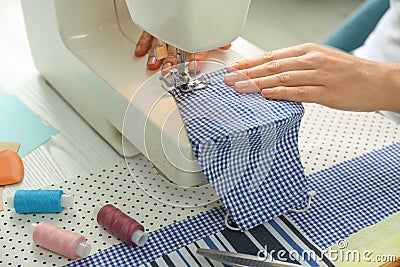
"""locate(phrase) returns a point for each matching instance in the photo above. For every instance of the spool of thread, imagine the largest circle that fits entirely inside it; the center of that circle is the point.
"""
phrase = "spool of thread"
(39, 201)
(59, 240)
(121, 225)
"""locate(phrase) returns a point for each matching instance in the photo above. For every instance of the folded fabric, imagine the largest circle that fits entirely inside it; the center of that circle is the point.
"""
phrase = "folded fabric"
(11, 167)
(247, 148)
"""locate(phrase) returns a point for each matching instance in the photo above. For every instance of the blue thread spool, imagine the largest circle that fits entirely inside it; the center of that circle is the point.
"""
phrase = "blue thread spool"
(40, 201)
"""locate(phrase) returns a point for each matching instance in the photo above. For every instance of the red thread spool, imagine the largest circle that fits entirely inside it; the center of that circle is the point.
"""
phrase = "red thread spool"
(121, 225)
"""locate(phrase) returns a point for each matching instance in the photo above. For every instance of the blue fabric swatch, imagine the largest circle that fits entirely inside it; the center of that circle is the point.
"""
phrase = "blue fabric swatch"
(19, 124)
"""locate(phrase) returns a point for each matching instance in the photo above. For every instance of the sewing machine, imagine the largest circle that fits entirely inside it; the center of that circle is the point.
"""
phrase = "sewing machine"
(84, 49)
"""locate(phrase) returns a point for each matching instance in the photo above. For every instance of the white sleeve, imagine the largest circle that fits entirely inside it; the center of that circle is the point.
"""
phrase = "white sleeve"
(383, 44)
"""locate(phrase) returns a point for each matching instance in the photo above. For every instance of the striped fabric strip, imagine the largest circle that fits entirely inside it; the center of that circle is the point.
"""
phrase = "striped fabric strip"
(356, 194)
(279, 237)
(176, 245)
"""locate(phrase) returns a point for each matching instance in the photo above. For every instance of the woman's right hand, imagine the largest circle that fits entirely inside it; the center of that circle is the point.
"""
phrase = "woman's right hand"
(317, 74)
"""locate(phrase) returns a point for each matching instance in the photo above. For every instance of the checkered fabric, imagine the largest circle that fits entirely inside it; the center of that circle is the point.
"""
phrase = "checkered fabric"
(356, 194)
(247, 148)
(278, 238)
(160, 242)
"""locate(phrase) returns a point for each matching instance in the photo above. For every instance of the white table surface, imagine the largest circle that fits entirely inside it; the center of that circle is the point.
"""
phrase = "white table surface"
(326, 136)
(77, 148)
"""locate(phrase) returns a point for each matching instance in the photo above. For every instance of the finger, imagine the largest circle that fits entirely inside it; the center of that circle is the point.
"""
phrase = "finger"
(246, 87)
(289, 52)
(197, 60)
(268, 69)
(152, 62)
(310, 94)
(144, 43)
(226, 47)
(170, 61)
(287, 79)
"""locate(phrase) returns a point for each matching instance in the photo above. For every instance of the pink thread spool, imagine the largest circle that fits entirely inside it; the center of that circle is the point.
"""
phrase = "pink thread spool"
(121, 225)
(61, 241)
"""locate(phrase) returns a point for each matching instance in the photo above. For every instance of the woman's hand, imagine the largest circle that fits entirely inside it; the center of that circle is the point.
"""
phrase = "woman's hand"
(147, 43)
(313, 73)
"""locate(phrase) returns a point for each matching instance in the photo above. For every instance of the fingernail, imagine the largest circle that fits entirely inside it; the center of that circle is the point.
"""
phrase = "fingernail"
(231, 78)
(151, 61)
(166, 66)
(233, 67)
(226, 47)
(267, 92)
(138, 48)
(242, 85)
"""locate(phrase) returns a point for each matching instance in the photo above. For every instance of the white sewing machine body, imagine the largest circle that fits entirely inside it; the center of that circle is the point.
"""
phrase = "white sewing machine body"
(84, 49)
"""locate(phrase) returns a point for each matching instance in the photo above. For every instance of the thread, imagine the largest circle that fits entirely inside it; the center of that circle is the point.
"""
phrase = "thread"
(127, 229)
(38, 201)
(228, 225)
(61, 241)
(310, 194)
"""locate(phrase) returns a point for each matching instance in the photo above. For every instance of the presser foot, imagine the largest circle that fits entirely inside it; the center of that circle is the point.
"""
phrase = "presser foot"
(183, 81)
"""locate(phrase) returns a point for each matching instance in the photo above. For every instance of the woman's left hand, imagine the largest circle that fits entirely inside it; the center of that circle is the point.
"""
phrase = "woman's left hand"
(147, 43)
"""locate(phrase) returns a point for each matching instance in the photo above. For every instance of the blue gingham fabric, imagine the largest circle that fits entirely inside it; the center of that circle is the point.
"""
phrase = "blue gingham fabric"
(354, 194)
(160, 242)
(171, 245)
(247, 148)
(277, 239)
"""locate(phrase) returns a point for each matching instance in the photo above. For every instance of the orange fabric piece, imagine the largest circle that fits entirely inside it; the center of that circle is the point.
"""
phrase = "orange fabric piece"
(11, 167)
(1, 196)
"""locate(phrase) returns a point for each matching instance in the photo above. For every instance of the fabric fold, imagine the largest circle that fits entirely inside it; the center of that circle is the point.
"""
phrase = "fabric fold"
(247, 147)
